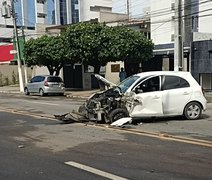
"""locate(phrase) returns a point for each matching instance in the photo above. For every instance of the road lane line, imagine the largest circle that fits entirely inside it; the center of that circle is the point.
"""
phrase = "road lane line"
(45, 103)
(94, 171)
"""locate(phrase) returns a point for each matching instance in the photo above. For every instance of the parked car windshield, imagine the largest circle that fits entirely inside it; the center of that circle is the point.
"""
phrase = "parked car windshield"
(125, 84)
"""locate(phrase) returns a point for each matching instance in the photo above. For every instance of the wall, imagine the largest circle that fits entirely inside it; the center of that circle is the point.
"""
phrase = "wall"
(84, 6)
(201, 58)
(205, 20)
(113, 76)
(9, 74)
(161, 25)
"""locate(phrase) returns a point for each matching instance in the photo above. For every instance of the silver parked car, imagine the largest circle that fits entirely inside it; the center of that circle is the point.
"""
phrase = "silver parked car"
(45, 84)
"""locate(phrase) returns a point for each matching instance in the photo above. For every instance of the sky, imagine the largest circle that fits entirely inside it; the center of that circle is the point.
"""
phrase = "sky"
(136, 7)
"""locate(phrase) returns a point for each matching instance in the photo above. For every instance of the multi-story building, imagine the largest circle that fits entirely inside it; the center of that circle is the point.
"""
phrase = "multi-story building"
(196, 23)
(33, 14)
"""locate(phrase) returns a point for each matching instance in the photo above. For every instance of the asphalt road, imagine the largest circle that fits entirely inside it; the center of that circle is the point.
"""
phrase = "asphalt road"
(50, 105)
(40, 148)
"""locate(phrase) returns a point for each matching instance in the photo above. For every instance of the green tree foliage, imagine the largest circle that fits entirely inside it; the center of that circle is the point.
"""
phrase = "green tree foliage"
(130, 45)
(96, 44)
(92, 44)
(46, 51)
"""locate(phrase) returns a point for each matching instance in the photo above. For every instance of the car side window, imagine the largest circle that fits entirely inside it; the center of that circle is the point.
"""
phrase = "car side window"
(42, 78)
(149, 85)
(175, 82)
(34, 79)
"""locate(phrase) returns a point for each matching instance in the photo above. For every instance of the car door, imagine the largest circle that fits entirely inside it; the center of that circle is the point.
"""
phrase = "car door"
(38, 84)
(176, 94)
(146, 99)
(31, 84)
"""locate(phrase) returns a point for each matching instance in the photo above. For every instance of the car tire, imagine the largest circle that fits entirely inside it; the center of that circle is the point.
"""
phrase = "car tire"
(41, 92)
(116, 114)
(192, 111)
(26, 91)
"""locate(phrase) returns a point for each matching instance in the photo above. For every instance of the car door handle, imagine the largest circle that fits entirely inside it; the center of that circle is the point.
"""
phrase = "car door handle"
(156, 97)
(186, 93)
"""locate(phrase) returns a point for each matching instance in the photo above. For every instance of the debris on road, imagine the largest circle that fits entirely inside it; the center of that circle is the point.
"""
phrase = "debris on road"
(122, 121)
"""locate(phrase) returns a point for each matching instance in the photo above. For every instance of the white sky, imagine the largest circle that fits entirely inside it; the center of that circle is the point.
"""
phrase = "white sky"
(136, 7)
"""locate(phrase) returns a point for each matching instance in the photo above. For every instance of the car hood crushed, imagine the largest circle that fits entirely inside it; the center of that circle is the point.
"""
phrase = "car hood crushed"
(106, 106)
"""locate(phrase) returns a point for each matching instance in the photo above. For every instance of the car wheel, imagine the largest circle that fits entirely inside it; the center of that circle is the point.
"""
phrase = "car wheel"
(41, 92)
(116, 114)
(26, 91)
(192, 111)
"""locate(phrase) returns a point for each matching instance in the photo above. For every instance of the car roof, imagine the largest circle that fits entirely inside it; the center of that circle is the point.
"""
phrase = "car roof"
(182, 74)
(152, 73)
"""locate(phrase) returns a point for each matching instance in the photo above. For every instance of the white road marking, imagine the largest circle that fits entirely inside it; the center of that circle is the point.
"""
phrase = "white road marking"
(94, 171)
(45, 103)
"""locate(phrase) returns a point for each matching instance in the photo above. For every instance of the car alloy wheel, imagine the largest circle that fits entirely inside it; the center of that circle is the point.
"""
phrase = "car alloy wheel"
(26, 91)
(192, 111)
(41, 92)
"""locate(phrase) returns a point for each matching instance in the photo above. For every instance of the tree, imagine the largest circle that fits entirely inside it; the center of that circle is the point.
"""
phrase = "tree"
(86, 42)
(48, 51)
(130, 45)
(96, 44)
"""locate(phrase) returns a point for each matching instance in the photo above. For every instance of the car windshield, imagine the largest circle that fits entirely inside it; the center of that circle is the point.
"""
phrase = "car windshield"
(125, 84)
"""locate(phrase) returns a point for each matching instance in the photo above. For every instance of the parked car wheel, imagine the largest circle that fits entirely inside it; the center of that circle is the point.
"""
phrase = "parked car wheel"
(192, 111)
(26, 91)
(116, 114)
(41, 92)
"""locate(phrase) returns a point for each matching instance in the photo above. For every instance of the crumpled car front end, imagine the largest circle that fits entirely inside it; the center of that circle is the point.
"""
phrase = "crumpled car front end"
(100, 105)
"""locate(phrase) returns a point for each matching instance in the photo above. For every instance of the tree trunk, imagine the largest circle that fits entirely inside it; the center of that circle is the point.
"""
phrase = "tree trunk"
(57, 71)
(51, 70)
(97, 69)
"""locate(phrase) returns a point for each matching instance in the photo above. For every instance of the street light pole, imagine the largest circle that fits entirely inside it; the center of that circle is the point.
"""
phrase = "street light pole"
(17, 48)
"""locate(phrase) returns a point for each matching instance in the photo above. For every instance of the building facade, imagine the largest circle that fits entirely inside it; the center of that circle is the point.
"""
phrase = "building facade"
(34, 15)
(196, 23)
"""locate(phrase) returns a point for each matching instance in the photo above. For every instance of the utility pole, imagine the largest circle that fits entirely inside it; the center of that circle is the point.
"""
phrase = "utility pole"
(128, 10)
(178, 42)
(17, 47)
(25, 68)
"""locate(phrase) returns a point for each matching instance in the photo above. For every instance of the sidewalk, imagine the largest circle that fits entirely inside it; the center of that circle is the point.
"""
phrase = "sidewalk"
(14, 89)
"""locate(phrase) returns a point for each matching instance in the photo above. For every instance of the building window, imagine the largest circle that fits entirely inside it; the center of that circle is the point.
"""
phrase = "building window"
(75, 11)
(63, 12)
(41, 15)
(41, 1)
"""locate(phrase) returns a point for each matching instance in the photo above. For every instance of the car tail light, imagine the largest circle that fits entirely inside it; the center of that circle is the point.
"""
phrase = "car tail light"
(46, 83)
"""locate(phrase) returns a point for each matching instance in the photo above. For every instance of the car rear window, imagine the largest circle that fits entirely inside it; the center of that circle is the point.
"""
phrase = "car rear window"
(174, 82)
(54, 79)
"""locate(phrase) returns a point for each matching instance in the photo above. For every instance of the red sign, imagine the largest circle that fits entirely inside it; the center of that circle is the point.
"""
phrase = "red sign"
(5, 55)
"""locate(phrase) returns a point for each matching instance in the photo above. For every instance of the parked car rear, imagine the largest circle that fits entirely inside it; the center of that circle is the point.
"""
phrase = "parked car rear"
(45, 84)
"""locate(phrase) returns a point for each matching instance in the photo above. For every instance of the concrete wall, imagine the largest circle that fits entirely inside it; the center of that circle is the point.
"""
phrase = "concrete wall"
(162, 25)
(201, 58)
(84, 7)
(9, 74)
(202, 36)
(113, 76)
(205, 20)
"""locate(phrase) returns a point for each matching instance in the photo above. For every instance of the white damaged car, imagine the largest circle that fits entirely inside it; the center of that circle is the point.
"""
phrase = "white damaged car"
(147, 94)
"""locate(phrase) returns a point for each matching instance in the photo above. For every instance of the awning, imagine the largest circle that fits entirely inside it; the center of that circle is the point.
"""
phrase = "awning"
(5, 55)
